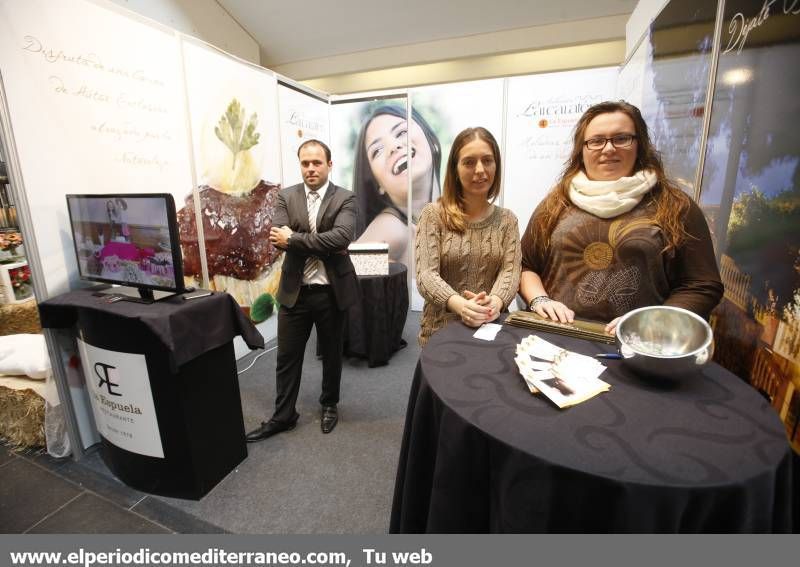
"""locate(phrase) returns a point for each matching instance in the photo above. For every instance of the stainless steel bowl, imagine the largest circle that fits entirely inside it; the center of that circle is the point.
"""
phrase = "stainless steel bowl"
(664, 342)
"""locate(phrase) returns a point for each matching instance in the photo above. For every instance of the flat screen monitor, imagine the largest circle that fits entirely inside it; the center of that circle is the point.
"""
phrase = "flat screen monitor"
(129, 240)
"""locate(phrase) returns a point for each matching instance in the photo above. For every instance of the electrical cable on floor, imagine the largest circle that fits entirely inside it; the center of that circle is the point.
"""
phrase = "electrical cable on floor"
(254, 360)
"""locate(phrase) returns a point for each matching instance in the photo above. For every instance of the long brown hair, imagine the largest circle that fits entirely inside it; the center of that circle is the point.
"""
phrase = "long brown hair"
(452, 199)
(672, 204)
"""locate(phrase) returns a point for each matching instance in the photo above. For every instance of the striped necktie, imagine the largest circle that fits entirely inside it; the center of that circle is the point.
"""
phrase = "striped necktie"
(312, 263)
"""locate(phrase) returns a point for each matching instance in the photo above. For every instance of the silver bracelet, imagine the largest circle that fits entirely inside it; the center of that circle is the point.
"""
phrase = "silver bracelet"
(538, 300)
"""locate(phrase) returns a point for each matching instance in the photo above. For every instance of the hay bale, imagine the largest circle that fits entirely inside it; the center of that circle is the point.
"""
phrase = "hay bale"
(20, 318)
(22, 417)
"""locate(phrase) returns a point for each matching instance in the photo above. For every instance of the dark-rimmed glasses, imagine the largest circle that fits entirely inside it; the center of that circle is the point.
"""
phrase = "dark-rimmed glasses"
(619, 141)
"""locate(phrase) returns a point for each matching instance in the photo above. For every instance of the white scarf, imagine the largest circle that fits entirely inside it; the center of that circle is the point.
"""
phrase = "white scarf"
(607, 199)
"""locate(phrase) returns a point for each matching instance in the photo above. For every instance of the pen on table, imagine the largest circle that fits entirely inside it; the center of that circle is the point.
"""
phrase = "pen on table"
(609, 355)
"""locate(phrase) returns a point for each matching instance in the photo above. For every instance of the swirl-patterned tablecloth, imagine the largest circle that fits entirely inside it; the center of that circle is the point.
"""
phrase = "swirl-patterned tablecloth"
(481, 454)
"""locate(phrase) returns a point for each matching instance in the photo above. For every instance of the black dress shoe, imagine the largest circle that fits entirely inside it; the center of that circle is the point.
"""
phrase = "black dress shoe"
(270, 428)
(330, 417)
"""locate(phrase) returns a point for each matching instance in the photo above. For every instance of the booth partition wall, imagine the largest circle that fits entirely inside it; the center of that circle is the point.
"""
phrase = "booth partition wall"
(716, 83)
(221, 135)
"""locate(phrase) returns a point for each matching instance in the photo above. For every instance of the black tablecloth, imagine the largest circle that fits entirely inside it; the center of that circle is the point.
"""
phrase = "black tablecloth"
(187, 329)
(375, 324)
(481, 454)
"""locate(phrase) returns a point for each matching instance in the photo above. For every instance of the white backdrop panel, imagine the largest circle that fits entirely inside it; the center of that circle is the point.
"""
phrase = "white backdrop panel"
(303, 117)
(90, 114)
(213, 81)
(233, 112)
(541, 114)
(451, 108)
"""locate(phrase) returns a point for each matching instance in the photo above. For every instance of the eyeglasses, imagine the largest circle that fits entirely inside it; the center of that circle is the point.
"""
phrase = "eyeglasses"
(619, 141)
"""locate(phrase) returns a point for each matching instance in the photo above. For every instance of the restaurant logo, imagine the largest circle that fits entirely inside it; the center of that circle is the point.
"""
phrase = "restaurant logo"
(116, 406)
(103, 372)
(121, 399)
(558, 111)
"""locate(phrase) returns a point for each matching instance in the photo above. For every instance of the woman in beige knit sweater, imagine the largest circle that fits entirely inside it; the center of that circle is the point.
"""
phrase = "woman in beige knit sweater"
(467, 249)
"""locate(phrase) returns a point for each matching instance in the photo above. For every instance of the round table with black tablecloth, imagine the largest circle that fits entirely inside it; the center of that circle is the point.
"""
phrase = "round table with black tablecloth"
(480, 453)
(374, 327)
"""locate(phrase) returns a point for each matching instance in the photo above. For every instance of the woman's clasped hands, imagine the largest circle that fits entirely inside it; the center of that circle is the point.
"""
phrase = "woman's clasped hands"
(475, 309)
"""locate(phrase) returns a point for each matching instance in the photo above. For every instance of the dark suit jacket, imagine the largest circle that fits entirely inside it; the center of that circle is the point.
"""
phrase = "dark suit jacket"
(336, 223)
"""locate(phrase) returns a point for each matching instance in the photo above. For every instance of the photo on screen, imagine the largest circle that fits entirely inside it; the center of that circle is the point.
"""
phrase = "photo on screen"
(126, 239)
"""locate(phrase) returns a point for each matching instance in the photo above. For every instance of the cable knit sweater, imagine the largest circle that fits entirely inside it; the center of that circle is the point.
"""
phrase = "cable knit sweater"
(485, 257)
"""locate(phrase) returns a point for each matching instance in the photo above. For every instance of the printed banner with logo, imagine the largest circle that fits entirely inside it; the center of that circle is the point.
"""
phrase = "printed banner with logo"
(122, 402)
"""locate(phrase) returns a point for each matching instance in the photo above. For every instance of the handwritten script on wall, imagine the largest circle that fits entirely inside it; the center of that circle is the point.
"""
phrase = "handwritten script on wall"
(124, 107)
(96, 104)
(742, 26)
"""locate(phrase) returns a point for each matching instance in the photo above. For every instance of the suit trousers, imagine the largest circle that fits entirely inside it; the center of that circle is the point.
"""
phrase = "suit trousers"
(316, 305)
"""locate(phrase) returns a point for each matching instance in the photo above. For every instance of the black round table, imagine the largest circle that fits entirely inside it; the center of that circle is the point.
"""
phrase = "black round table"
(374, 325)
(481, 454)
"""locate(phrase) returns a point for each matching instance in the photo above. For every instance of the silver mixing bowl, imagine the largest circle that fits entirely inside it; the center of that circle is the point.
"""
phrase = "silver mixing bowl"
(664, 342)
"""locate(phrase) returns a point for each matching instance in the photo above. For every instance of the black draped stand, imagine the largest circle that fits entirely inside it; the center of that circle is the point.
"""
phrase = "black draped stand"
(481, 454)
(191, 367)
(374, 325)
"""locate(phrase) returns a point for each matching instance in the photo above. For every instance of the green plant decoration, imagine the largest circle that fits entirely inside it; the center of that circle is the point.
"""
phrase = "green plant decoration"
(263, 308)
(235, 132)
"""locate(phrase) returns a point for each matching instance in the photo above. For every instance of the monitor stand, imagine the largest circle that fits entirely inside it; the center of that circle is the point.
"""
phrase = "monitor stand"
(137, 294)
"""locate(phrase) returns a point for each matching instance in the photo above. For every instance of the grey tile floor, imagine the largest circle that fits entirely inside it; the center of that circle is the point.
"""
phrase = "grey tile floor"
(40, 494)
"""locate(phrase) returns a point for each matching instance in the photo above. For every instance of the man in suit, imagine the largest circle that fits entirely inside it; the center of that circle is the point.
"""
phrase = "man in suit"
(314, 223)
